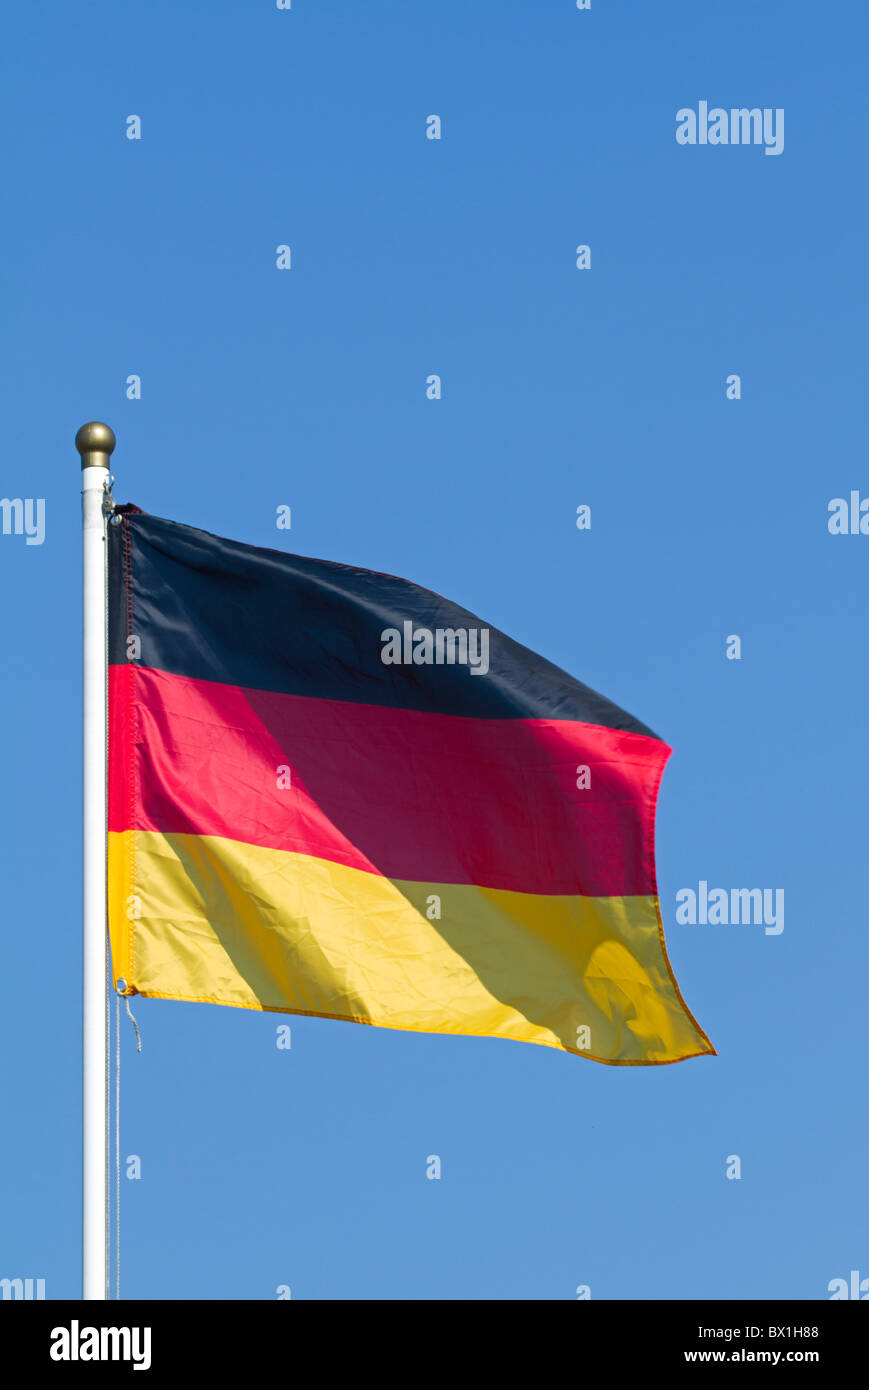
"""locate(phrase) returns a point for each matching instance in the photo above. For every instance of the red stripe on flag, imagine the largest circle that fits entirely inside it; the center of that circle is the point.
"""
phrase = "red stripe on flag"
(409, 795)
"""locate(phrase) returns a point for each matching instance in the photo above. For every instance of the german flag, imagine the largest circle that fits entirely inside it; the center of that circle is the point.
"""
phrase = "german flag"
(334, 793)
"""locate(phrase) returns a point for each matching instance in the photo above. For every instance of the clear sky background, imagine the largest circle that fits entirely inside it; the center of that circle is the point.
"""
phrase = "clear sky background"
(306, 387)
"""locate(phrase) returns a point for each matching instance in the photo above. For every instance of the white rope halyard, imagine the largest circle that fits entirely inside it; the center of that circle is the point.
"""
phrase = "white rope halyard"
(120, 986)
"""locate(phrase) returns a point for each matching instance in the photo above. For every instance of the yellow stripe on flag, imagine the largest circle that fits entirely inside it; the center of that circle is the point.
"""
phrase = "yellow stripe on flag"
(218, 921)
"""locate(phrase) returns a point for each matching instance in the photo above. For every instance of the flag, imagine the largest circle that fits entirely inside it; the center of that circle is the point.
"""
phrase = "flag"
(335, 793)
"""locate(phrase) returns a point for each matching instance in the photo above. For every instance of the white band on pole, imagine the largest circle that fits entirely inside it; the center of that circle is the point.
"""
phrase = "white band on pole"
(95, 453)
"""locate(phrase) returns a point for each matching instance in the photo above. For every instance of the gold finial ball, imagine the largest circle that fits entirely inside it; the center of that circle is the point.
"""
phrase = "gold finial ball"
(95, 443)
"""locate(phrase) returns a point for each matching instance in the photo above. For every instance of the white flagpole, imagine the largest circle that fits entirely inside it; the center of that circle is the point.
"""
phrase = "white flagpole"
(95, 443)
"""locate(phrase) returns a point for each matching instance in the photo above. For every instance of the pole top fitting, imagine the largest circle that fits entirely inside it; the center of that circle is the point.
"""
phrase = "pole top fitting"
(95, 443)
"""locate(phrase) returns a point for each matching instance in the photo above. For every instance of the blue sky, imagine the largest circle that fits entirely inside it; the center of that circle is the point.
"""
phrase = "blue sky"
(306, 387)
